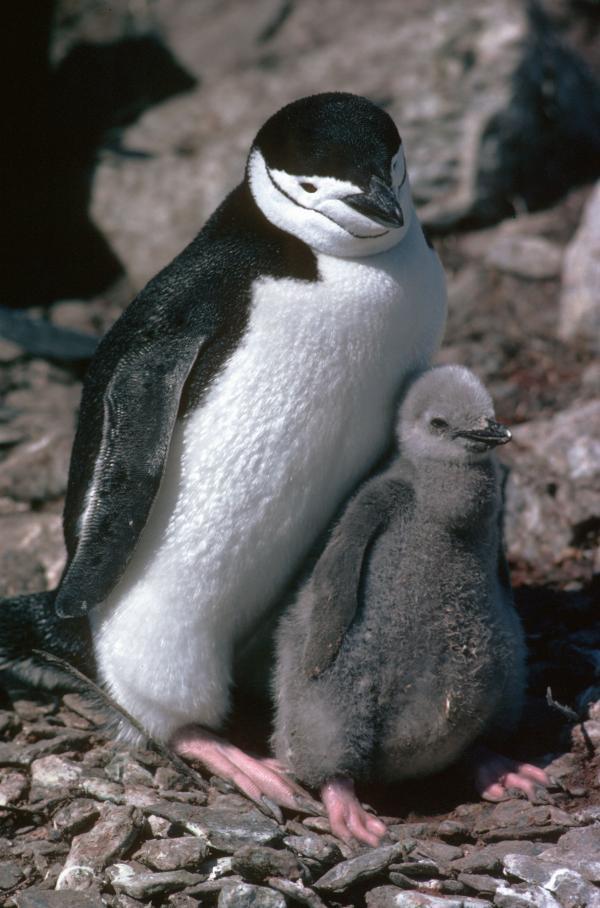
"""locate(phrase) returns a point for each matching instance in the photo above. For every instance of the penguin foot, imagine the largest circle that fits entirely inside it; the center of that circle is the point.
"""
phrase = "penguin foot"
(495, 774)
(264, 781)
(347, 818)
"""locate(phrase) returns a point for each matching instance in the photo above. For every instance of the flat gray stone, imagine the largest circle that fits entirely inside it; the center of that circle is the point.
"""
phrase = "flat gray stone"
(146, 884)
(224, 828)
(360, 868)
(243, 895)
(114, 834)
(524, 896)
(56, 771)
(44, 898)
(76, 816)
(315, 847)
(10, 875)
(578, 849)
(390, 897)
(580, 298)
(530, 257)
(297, 892)
(256, 863)
(489, 858)
(479, 882)
(183, 853)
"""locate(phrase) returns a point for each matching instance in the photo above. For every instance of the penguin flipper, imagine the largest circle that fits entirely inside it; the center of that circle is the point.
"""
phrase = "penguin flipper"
(139, 406)
(335, 582)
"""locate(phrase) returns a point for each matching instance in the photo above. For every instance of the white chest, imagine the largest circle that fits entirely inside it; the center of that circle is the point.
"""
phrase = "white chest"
(301, 411)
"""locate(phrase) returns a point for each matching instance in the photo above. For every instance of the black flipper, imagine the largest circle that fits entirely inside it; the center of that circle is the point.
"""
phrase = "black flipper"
(29, 622)
(140, 406)
(159, 359)
(335, 582)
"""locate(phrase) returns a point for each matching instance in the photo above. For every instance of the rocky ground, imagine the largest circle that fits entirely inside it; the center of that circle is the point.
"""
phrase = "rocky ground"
(86, 823)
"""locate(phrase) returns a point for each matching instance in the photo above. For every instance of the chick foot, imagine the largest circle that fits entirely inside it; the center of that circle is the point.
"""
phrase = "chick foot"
(494, 774)
(348, 820)
(262, 780)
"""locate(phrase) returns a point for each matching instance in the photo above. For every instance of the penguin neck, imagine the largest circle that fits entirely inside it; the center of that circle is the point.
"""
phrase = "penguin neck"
(458, 494)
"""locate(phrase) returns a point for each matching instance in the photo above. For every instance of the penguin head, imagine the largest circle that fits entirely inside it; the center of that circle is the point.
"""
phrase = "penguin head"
(447, 414)
(330, 170)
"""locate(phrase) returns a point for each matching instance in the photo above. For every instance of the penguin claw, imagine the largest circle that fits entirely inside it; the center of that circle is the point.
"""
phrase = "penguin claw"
(262, 781)
(498, 778)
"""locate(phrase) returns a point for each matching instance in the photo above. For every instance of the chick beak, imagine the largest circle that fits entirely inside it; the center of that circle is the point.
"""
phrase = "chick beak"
(379, 204)
(493, 434)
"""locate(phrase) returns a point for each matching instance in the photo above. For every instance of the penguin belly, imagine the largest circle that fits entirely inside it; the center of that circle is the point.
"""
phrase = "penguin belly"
(300, 412)
(457, 651)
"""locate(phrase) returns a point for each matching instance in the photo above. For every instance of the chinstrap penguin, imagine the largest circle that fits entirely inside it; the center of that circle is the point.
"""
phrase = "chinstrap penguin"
(403, 647)
(231, 409)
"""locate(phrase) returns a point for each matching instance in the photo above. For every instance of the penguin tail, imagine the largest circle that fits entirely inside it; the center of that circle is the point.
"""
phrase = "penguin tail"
(30, 628)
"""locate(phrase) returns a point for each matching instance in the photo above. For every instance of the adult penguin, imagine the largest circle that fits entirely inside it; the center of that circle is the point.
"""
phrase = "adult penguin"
(232, 408)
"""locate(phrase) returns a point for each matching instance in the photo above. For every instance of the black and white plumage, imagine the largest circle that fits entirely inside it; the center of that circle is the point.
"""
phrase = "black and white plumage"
(238, 400)
(403, 646)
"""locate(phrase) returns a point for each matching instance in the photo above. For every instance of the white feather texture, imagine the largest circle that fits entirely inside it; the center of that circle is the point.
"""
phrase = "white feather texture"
(301, 412)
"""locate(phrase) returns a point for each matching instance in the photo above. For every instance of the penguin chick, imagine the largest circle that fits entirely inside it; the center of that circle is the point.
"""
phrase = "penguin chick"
(403, 646)
(231, 410)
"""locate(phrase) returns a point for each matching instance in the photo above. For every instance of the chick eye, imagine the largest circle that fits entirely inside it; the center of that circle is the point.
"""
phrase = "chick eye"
(437, 423)
(308, 187)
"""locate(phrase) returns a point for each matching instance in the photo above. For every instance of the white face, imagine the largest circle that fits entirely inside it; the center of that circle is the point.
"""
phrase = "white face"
(312, 208)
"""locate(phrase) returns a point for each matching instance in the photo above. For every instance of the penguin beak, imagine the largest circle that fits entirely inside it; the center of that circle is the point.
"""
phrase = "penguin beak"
(379, 204)
(493, 434)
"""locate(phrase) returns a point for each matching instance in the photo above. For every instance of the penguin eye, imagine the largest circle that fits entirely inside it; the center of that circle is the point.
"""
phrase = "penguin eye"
(308, 187)
(437, 423)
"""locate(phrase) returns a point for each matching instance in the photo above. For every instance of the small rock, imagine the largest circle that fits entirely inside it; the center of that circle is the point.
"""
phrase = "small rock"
(530, 257)
(10, 875)
(76, 816)
(145, 884)
(55, 772)
(479, 882)
(578, 849)
(184, 853)
(580, 295)
(420, 868)
(489, 858)
(390, 897)
(439, 852)
(42, 898)
(224, 828)
(78, 879)
(523, 896)
(318, 848)
(116, 832)
(256, 863)
(360, 868)
(298, 892)
(13, 786)
(243, 895)
(102, 789)
(125, 770)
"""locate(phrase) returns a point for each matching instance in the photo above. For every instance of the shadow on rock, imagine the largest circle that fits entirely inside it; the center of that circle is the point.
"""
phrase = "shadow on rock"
(61, 118)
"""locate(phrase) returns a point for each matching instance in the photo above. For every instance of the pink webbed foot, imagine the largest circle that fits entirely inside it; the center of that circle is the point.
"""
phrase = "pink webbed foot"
(348, 820)
(261, 780)
(494, 774)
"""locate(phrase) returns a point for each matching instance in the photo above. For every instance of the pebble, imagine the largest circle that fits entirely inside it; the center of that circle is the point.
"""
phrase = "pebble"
(256, 863)
(54, 771)
(523, 896)
(115, 833)
(390, 897)
(10, 875)
(183, 853)
(529, 257)
(42, 898)
(317, 848)
(13, 786)
(360, 868)
(298, 892)
(225, 828)
(489, 858)
(146, 884)
(76, 816)
(479, 882)
(243, 895)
